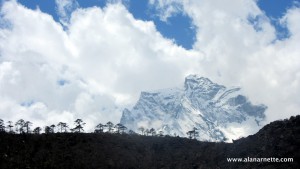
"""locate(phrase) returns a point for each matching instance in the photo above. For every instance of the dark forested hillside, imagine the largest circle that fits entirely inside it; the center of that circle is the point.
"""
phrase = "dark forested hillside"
(104, 150)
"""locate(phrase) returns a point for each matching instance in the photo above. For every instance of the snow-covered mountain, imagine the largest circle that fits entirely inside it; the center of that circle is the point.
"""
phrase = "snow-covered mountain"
(217, 112)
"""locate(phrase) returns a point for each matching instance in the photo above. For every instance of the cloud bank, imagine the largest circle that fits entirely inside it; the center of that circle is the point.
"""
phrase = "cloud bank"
(97, 60)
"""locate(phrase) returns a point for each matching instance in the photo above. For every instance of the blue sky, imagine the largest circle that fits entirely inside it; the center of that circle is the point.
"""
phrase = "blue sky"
(178, 27)
(275, 10)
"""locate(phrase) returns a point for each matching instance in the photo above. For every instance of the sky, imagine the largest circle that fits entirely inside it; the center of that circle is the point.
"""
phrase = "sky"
(67, 59)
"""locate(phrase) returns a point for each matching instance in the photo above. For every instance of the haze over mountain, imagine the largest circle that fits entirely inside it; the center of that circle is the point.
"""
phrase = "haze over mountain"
(218, 112)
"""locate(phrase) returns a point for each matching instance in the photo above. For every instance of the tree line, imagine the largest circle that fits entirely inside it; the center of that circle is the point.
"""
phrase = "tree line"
(22, 126)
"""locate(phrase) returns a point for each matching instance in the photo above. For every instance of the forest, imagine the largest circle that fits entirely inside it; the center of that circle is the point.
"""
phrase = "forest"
(22, 148)
(22, 126)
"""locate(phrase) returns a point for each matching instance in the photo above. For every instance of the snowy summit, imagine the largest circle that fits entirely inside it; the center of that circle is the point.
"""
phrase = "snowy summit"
(218, 113)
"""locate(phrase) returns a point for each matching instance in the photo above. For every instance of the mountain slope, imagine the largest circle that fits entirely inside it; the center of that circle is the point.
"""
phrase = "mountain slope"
(218, 112)
(280, 139)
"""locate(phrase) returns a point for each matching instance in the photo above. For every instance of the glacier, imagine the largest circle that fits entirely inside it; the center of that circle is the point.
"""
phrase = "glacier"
(218, 113)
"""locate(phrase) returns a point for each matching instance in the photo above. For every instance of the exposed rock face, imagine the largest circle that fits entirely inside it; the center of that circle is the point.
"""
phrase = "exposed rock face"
(212, 108)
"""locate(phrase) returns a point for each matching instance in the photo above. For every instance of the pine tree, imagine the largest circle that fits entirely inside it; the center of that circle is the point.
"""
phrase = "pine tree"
(79, 126)
(123, 128)
(161, 133)
(131, 132)
(48, 130)
(99, 128)
(142, 129)
(63, 126)
(120, 128)
(20, 124)
(193, 133)
(52, 128)
(147, 131)
(27, 125)
(37, 130)
(190, 134)
(152, 131)
(109, 125)
(2, 127)
(196, 133)
(10, 127)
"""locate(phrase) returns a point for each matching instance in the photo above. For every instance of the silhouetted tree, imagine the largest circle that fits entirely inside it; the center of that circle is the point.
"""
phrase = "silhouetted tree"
(27, 125)
(196, 133)
(131, 132)
(142, 129)
(109, 125)
(99, 128)
(79, 126)
(152, 131)
(146, 132)
(193, 133)
(123, 128)
(48, 130)
(37, 130)
(10, 126)
(63, 126)
(60, 125)
(20, 126)
(120, 128)
(52, 128)
(190, 134)
(2, 127)
(161, 133)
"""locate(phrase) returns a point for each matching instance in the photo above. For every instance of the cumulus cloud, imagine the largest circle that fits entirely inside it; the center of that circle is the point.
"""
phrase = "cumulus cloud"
(99, 61)
(240, 48)
(166, 8)
(92, 70)
(65, 8)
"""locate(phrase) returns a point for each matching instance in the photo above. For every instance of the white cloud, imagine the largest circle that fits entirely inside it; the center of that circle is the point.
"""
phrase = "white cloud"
(65, 8)
(237, 53)
(91, 71)
(103, 59)
(166, 8)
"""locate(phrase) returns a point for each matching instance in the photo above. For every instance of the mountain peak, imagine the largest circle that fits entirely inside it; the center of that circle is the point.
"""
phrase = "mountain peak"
(196, 81)
(208, 106)
(195, 76)
(201, 87)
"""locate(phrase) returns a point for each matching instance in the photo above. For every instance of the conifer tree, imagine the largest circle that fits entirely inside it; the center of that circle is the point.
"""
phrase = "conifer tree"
(161, 133)
(109, 125)
(79, 126)
(48, 130)
(193, 133)
(123, 128)
(146, 132)
(10, 126)
(2, 127)
(62, 126)
(152, 131)
(37, 130)
(142, 129)
(120, 127)
(99, 128)
(20, 124)
(52, 128)
(27, 125)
